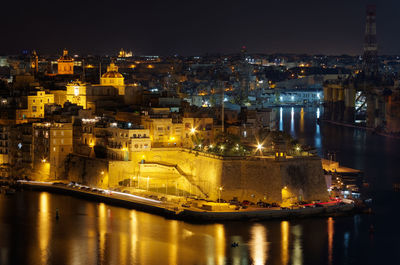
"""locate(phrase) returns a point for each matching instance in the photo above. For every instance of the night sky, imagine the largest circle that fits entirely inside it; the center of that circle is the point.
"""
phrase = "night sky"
(195, 27)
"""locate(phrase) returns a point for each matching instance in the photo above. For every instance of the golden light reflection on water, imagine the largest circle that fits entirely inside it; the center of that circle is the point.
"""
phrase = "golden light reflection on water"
(258, 245)
(330, 239)
(44, 227)
(219, 244)
(297, 253)
(285, 242)
(173, 242)
(102, 230)
(133, 230)
(302, 120)
(123, 246)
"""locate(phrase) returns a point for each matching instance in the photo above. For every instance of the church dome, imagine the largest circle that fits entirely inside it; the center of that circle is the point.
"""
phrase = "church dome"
(112, 74)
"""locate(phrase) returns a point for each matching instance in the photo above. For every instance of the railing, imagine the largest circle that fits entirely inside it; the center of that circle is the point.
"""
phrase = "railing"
(180, 171)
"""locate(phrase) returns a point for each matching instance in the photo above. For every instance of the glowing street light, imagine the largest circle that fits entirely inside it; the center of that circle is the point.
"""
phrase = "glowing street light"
(193, 130)
(259, 147)
(219, 193)
(44, 160)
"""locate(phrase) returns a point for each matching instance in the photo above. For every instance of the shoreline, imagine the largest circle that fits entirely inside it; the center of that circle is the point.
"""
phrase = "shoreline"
(175, 212)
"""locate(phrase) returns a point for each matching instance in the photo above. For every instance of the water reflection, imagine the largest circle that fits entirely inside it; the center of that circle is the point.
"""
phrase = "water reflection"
(133, 230)
(220, 244)
(285, 242)
(102, 227)
(302, 120)
(292, 122)
(297, 253)
(44, 227)
(258, 245)
(317, 132)
(330, 239)
(173, 242)
(281, 119)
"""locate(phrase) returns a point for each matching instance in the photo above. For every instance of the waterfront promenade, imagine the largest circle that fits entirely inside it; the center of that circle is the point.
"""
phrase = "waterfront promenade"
(179, 211)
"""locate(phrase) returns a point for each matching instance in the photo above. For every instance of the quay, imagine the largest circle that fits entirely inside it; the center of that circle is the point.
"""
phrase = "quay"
(176, 211)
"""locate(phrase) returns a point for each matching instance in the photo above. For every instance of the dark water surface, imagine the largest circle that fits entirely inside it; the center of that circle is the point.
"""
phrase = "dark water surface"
(96, 233)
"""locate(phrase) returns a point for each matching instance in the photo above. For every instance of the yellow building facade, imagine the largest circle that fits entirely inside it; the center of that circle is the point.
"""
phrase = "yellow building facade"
(113, 78)
(76, 93)
(65, 64)
(35, 106)
(60, 147)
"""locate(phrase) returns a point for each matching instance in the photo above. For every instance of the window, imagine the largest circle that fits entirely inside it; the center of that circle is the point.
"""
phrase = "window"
(33, 108)
(62, 132)
(62, 141)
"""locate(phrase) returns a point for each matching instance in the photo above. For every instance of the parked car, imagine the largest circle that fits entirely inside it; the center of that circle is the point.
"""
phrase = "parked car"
(263, 204)
(246, 202)
(221, 201)
(234, 202)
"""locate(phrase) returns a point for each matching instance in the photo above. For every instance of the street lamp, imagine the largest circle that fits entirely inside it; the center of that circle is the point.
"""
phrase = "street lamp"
(193, 130)
(259, 148)
(219, 194)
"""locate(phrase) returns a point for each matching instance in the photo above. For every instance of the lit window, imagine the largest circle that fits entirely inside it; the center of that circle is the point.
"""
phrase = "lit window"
(281, 154)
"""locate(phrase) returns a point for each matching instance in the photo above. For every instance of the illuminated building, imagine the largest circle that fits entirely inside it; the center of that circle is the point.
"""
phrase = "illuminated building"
(119, 138)
(122, 141)
(112, 76)
(65, 64)
(35, 106)
(123, 54)
(4, 151)
(52, 142)
(60, 147)
(90, 96)
(76, 94)
(34, 62)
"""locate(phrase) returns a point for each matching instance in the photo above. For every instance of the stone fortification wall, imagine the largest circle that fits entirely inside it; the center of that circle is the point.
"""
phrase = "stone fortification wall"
(247, 179)
(251, 179)
(97, 172)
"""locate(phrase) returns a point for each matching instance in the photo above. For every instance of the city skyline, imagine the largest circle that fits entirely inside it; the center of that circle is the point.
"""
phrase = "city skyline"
(183, 28)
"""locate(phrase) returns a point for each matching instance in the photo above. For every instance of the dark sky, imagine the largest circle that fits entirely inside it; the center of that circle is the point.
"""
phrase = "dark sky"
(195, 27)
